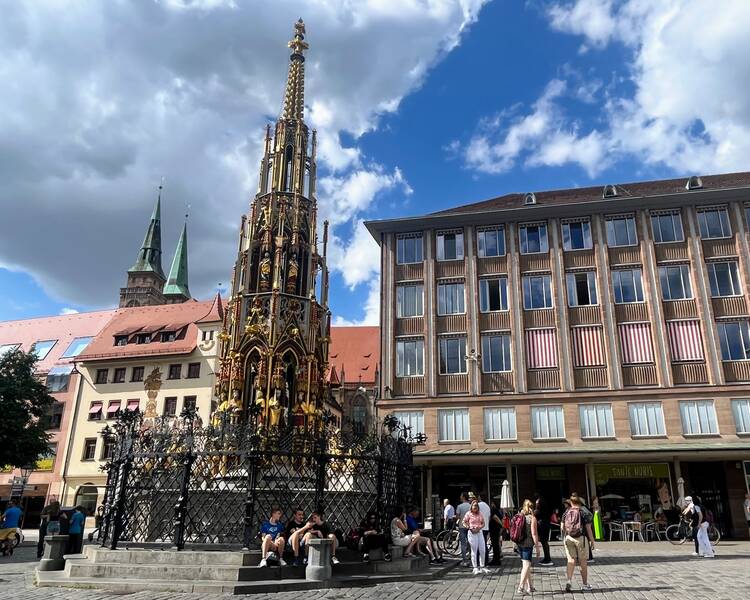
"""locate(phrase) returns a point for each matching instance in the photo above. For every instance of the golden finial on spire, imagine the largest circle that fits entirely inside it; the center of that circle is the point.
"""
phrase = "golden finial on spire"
(298, 44)
(294, 96)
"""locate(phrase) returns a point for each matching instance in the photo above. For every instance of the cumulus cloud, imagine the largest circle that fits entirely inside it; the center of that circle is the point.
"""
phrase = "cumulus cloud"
(102, 100)
(66, 310)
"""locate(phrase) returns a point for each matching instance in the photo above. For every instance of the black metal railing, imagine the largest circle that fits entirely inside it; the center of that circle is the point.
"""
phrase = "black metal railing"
(174, 482)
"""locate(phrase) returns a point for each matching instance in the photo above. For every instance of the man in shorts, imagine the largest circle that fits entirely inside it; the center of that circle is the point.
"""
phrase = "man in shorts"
(272, 536)
(578, 537)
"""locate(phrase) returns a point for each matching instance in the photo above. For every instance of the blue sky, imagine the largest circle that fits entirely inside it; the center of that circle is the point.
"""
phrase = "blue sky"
(421, 106)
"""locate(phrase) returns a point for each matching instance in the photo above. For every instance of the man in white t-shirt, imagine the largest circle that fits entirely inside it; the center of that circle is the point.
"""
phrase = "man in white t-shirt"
(449, 514)
(484, 508)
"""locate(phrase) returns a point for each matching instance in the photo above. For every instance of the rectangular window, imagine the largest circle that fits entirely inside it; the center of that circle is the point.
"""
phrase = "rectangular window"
(724, 278)
(55, 415)
(496, 353)
(133, 404)
(409, 249)
(194, 370)
(47, 461)
(170, 406)
(452, 355)
(499, 424)
(42, 348)
(621, 231)
(409, 358)
(175, 372)
(413, 420)
(596, 421)
(188, 403)
(409, 300)
(137, 374)
(588, 350)
(491, 242)
(577, 235)
(108, 448)
(698, 417)
(646, 419)
(450, 246)
(451, 298)
(628, 286)
(582, 289)
(675, 282)
(741, 411)
(58, 378)
(533, 238)
(547, 423)
(667, 227)
(207, 335)
(77, 346)
(714, 223)
(168, 336)
(95, 411)
(119, 375)
(734, 339)
(453, 425)
(113, 408)
(102, 375)
(89, 449)
(685, 340)
(541, 348)
(493, 294)
(635, 343)
(537, 292)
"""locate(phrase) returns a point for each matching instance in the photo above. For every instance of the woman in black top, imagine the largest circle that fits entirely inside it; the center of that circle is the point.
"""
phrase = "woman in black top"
(496, 526)
(372, 537)
(542, 514)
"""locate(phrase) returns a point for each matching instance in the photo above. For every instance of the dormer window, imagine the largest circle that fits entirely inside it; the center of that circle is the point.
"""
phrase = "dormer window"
(168, 336)
(529, 198)
(609, 191)
(121, 340)
(144, 338)
(694, 183)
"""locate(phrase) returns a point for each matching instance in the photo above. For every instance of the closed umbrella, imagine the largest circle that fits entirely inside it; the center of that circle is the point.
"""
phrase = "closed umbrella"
(681, 492)
(506, 501)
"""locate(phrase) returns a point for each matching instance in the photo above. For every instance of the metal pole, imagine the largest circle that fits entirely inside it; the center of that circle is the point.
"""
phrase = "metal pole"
(252, 480)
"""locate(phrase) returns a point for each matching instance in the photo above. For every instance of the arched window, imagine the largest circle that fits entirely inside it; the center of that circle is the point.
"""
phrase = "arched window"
(288, 157)
(87, 496)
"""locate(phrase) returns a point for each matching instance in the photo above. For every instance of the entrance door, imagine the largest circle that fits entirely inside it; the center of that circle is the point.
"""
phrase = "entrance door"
(707, 481)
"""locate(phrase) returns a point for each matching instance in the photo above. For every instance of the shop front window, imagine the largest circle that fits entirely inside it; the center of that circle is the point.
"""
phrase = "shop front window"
(637, 491)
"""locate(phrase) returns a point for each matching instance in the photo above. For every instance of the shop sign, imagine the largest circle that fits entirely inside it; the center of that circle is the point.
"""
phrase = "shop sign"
(556, 473)
(603, 473)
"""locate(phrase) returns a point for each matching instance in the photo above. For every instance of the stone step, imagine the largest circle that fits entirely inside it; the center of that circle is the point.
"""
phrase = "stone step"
(172, 557)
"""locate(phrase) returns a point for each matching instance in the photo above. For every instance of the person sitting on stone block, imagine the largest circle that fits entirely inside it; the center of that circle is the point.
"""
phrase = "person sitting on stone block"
(318, 528)
(295, 532)
(272, 536)
(372, 537)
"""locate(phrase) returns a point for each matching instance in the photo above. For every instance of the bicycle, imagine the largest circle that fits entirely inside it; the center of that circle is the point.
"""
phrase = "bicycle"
(448, 542)
(679, 533)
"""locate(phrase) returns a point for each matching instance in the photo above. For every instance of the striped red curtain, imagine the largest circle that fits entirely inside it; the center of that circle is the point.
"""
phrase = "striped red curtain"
(635, 343)
(685, 341)
(587, 346)
(541, 348)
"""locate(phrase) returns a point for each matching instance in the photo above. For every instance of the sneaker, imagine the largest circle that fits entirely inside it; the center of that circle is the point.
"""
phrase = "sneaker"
(485, 570)
(433, 561)
(335, 561)
(586, 588)
(548, 563)
(568, 587)
(387, 557)
(282, 562)
(591, 561)
(365, 558)
(304, 562)
(263, 563)
(475, 571)
(696, 554)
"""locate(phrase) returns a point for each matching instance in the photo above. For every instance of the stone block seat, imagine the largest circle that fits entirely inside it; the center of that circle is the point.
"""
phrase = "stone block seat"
(205, 572)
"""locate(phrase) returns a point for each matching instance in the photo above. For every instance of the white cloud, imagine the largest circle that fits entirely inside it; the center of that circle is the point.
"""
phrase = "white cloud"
(66, 310)
(371, 307)
(182, 89)
(592, 18)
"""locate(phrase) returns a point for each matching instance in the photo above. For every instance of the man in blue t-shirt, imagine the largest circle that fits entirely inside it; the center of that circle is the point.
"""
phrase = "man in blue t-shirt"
(75, 530)
(272, 535)
(12, 516)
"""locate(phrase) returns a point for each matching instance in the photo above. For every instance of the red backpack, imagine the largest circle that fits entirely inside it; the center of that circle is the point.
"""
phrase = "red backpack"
(518, 528)
(573, 522)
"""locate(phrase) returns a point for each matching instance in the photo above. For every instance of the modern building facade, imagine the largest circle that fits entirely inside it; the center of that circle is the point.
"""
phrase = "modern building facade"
(57, 342)
(589, 339)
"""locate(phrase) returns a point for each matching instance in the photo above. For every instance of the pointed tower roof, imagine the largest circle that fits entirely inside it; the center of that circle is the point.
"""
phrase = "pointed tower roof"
(177, 282)
(294, 96)
(149, 256)
(216, 313)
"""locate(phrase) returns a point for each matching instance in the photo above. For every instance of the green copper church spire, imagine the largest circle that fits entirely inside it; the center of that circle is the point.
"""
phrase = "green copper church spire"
(177, 282)
(149, 256)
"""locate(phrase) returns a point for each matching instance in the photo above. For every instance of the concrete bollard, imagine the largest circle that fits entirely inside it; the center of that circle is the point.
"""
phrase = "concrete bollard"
(319, 560)
(54, 549)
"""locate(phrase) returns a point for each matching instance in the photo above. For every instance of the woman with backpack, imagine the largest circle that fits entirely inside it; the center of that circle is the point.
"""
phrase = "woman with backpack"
(576, 531)
(524, 531)
(474, 523)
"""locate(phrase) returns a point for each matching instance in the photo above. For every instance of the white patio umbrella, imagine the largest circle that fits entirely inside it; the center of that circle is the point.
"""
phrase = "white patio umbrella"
(681, 492)
(612, 497)
(506, 500)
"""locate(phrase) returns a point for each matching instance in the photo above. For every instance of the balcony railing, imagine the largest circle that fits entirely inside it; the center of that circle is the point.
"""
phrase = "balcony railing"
(729, 306)
(680, 309)
(453, 384)
(672, 251)
(736, 370)
(497, 382)
(492, 265)
(639, 375)
(410, 272)
(590, 377)
(719, 248)
(543, 379)
(689, 373)
(408, 386)
(410, 326)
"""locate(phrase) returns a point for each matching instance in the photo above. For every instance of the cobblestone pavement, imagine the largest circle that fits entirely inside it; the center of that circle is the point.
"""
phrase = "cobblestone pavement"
(622, 571)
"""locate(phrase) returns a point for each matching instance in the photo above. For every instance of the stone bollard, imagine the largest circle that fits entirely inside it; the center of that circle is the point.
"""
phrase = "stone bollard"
(54, 549)
(319, 560)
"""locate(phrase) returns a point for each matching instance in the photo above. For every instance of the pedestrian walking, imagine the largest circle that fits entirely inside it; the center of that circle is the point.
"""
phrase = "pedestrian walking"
(449, 514)
(542, 514)
(496, 527)
(692, 513)
(474, 522)
(524, 531)
(578, 539)
(484, 508)
(589, 515)
(463, 539)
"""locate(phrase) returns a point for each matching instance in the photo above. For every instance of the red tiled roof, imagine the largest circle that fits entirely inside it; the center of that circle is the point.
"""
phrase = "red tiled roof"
(216, 313)
(355, 352)
(63, 328)
(181, 318)
(594, 193)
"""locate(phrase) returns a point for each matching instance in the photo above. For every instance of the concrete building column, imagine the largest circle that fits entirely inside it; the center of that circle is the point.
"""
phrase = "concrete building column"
(591, 479)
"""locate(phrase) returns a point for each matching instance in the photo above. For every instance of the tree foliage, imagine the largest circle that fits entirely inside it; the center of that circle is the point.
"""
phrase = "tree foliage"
(24, 404)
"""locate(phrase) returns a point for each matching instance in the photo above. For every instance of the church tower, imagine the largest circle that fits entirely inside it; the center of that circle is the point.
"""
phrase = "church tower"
(177, 290)
(277, 324)
(146, 277)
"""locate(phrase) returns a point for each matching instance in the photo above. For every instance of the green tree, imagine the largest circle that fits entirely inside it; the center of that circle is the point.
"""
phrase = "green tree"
(24, 404)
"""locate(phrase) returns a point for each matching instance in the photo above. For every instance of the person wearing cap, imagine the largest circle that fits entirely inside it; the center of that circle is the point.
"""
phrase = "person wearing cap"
(692, 514)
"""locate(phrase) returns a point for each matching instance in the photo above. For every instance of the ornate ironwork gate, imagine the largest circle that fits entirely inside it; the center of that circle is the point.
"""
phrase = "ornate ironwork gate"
(177, 483)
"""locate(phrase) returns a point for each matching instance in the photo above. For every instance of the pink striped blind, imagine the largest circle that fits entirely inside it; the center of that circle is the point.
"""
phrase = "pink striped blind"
(685, 341)
(541, 348)
(587, 346)
(635, 343)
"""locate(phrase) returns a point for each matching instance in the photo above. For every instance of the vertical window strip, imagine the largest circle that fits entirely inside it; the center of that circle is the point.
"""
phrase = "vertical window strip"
(698, 417)
(453, 424)
(547, 422)
(685, 340)
(541, 348)
(588, 350)
(500, 424)
(646, 419)
(596, 421)
(635, 343)
(741, 411)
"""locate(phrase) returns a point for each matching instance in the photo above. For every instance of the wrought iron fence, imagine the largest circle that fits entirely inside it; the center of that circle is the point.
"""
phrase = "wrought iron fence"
(177, 483)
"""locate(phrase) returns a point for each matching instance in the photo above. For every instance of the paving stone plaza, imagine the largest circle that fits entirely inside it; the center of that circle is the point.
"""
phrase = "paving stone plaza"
(622, 571)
